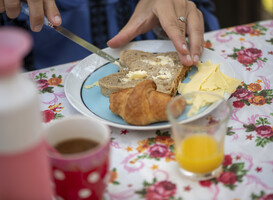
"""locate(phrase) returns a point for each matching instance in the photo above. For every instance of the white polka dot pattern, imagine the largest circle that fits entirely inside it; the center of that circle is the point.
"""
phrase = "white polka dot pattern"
(93, 177)
(59, 198)
(84, 193)
(59, 175)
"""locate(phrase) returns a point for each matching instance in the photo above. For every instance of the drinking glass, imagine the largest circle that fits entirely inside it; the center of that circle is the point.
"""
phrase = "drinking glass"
(199, 133)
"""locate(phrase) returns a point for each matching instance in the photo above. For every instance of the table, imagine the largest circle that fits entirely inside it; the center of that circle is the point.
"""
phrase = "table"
(142, 162)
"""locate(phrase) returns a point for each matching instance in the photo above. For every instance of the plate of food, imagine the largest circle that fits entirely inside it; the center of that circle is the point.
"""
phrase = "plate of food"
(90, 98)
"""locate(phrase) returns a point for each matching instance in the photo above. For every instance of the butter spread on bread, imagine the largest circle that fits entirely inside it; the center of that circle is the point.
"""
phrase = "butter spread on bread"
(161, 60)
(136, 75)
(165, 69)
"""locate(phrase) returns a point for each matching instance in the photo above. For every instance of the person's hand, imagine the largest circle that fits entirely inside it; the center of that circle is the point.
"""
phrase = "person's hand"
(37, 10)
(150, 13)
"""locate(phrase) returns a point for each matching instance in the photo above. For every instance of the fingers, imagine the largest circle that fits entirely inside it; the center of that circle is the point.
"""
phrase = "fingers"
(52, 12)
(38, 9)
(181, 8)
(195, 30)
(36, 14)
(174, 28)
(126, 34)
(12, 8)
(194, 27)
(151, 12)
(142, 21)
(2, 6)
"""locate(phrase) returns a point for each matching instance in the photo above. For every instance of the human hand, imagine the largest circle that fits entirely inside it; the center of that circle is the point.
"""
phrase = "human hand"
(37, 10)
(150, 13)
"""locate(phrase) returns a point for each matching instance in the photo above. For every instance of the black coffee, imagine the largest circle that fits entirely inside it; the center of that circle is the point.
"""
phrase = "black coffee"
(75, 145)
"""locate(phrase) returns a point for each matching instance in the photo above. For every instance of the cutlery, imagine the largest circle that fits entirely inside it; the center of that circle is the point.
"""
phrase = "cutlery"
(68, 34)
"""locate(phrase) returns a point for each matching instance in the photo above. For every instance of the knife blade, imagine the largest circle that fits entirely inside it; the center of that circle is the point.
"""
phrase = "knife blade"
(68, 34)
(86, 45)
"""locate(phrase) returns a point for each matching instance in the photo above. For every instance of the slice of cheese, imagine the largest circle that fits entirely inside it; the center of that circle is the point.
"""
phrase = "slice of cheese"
(205, 70)
(233, 83)
(208, 78)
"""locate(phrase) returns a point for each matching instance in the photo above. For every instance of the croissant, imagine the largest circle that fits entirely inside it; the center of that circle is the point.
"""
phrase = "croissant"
(142, 104)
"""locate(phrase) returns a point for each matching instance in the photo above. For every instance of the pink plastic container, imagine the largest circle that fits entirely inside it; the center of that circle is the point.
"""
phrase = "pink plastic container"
(24, 165)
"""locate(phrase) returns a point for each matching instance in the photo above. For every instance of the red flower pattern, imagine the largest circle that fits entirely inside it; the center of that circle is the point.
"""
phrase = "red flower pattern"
(238, 104)
(158, 151)
(267, 197)
(242, 94)
(42, 83)
(227, 160)
(48, 115)
(264, 131)
(162, 190)
(243, 29)
(227, 178)
(249, 56)
(206, 183)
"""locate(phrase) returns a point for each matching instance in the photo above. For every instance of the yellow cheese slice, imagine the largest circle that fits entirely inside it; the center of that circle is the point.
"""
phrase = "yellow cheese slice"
(208, 78)
(200, 77)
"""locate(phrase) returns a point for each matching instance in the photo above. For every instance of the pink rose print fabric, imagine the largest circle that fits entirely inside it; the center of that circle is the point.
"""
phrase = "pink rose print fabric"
(142, 163)
(162, 190)
(248, 56)
(158, 151)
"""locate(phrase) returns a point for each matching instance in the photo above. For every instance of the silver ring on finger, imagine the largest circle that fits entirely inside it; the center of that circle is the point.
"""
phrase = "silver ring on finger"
(182, 19)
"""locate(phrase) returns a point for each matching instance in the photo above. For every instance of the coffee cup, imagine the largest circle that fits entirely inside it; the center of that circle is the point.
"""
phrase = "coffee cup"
(79, 150)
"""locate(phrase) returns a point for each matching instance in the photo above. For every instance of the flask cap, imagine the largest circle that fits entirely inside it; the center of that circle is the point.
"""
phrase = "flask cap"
(15, 43)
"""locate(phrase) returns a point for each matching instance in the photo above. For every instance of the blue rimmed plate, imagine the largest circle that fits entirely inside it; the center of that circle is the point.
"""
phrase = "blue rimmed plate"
(91, 103)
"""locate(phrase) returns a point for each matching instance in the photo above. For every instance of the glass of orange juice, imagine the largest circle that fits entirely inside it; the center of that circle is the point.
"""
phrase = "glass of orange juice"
(199, 133)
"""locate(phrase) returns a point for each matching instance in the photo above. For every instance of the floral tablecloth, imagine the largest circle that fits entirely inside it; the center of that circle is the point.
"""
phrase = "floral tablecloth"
(142, 162)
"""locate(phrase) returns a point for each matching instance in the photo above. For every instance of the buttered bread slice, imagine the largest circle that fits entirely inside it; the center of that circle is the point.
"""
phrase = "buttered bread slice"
(165, 69)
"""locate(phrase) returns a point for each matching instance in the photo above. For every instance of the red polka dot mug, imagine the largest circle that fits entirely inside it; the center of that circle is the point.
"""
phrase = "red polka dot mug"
(81, 175)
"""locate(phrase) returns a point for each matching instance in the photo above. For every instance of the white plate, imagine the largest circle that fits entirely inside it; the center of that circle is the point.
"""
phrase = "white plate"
(91, 103)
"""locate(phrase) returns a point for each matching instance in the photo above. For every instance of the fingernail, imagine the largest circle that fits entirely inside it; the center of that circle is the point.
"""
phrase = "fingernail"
(188, 57)
(57, 19)
(184, 47)
(37, 28)
(196, 58)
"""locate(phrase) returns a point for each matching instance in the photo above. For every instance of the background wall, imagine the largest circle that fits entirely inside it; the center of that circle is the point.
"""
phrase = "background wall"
(237, 12)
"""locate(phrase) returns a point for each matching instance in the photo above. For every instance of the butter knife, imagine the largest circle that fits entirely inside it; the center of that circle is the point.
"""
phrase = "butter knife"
(90, 47)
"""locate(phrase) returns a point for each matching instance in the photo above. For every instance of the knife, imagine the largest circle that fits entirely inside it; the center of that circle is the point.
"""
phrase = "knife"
(90, 47)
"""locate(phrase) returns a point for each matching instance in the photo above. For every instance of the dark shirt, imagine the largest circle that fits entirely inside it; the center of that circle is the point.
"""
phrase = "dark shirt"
(95, 21)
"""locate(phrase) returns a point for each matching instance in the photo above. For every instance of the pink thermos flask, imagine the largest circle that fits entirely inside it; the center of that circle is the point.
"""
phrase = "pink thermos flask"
(24, 165)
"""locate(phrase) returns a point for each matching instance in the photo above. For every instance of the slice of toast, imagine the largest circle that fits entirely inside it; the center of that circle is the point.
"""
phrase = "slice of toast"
(165, 69)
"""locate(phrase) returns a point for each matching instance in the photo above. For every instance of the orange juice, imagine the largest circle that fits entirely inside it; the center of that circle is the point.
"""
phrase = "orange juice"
(199, 153)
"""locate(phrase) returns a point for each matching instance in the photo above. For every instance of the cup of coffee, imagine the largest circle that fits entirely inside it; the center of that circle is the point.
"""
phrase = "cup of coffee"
(79, 156)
